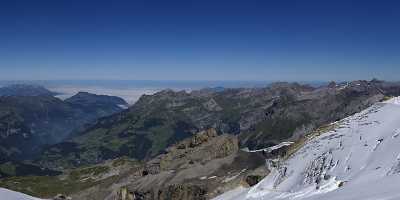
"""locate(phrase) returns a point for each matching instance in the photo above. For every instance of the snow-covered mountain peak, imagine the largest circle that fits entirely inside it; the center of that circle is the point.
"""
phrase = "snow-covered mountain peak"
(359, 159)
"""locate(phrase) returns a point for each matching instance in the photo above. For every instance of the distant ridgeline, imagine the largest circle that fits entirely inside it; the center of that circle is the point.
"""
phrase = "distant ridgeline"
(259, 117)
(25, 90)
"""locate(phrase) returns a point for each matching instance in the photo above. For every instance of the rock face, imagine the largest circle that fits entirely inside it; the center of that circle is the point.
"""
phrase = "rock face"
(62, 197)
(172, 192)
(253, 179)
(197, 168)
(201, 148)
(261, 117)
(202, 137)
(179, 172)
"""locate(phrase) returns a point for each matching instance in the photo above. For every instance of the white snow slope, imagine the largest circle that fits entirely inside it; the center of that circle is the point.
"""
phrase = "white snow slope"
(11, 195)
(362, 156)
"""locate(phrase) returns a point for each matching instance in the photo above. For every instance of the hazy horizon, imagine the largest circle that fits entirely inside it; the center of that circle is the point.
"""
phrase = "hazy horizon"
(131, 90)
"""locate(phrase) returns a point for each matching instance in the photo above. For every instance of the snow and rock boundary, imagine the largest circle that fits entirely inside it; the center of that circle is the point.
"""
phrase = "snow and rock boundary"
(358, 159)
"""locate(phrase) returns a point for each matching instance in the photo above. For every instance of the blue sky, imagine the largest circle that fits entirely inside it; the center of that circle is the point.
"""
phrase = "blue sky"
(200, 40)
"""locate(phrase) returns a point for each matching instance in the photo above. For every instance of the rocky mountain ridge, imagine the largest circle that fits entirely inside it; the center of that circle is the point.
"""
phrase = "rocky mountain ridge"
(187, 145)
(261, 117)
(25, 90)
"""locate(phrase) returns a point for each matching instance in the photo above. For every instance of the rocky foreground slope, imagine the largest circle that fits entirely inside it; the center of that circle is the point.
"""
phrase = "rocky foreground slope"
(199, 167)
(359, 158)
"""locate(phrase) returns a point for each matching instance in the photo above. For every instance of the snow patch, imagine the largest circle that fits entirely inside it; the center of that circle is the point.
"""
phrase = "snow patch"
(228, 179)
(269, 149)
(123, 106)
(6, 194)
(394, 100)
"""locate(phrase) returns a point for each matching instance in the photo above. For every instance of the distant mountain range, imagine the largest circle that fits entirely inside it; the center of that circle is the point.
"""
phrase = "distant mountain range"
(31, 118)
(173, 144)
(25, 90)
(260, 117)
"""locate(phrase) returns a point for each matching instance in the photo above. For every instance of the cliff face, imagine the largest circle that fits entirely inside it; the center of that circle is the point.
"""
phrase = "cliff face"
(198, 168)
(186, 170)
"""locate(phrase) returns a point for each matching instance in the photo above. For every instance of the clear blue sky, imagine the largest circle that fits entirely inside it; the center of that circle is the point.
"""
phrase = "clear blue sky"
(200, 40)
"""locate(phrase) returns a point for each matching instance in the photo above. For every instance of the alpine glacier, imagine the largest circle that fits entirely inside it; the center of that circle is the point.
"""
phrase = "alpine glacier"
(358, 159)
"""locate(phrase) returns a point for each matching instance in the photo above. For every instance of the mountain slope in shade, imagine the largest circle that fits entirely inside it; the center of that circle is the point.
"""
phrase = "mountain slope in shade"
(30, 122)
(11, 195)
(92, 102)
(359, 158)
(25, 90)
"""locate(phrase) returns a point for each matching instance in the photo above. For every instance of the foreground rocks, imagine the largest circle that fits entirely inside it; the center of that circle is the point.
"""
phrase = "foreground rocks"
(197, 168)
(62, 197)
(182, 192)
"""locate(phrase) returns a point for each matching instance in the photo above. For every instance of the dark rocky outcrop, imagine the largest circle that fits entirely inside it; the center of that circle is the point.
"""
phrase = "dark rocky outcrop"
(172, 192)
(62, 197)
(253, 179)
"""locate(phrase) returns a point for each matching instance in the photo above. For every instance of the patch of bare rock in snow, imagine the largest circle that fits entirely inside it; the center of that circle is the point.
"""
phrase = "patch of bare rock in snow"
(360, 159)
